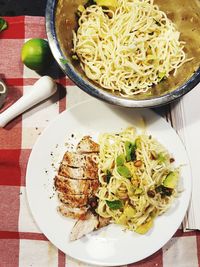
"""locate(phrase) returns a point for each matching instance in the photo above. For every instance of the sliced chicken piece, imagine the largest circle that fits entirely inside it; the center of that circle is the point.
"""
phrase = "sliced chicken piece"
(85, 227)
(87, 145)
(91, 223)
(75, 213)
(73, 201)
(75, 186)
(103, 222)
(77, 160)
(79, 173)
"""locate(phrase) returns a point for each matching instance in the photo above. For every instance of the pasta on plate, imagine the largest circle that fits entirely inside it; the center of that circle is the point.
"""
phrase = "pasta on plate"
(137, 177)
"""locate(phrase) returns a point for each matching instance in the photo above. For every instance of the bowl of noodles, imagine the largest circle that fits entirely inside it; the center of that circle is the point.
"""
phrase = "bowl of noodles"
(132, 53)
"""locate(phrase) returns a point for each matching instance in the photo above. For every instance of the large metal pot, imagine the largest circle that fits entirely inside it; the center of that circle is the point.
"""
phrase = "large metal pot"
(60, 40)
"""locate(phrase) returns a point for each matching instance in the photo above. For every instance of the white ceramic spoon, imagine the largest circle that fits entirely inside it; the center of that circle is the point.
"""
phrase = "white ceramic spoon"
(42, 89)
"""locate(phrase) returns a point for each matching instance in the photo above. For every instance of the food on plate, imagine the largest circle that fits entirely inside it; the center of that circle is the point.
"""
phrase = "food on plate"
(137, 178)
(83, 227)
(77, 183)
(77, 179)
(127, 46)
(36, 54)
(126, 178)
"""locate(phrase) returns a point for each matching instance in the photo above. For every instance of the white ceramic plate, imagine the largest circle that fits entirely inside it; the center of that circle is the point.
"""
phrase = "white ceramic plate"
(111, 245)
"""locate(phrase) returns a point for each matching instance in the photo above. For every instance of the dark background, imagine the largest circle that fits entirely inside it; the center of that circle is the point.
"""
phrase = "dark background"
(22, 7)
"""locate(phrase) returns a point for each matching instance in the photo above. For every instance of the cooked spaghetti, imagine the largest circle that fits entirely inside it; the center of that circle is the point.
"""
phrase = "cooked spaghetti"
(128, 47)
(138, 179)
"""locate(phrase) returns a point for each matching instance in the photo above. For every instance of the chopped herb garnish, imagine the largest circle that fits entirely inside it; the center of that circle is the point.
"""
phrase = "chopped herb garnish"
(108, 176)
(115, 204)
(159, 188)
(3, 24)
(157, 22)
(130, 151)
(164, 191)
(64, 61)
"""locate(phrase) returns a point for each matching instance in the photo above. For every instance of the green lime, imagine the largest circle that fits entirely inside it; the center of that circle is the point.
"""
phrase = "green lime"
(36, 54)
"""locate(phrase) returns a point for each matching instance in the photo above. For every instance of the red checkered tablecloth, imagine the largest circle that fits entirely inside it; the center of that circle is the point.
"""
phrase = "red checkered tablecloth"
(21, 242)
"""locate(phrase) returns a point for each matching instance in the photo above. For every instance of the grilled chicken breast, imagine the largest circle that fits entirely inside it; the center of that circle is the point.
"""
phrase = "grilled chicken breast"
(76, 160)
(75, 213)
(76, 186)
(87, 145)
(77, 183)
(74, 201)
(78, 173)
(77, 179)
(85, 227)
(91, 223)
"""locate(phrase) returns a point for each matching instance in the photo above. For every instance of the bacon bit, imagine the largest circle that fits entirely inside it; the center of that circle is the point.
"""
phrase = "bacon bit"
(113, 165)
(138, 163)
(92, 202)
(151, 193)
(153, 156)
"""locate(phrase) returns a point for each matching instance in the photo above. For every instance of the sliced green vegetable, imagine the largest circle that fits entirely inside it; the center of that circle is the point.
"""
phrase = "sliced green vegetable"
(161, 158)
(120, 160)
(3, 24)
(171, 180)
(130, 151)
(108, 176)
(128, 146)
(129, 212)
(107, 3)
(115, 204)
(144, 228)
(124, 171)
(81, 8)
(138, 142)
(161, 76)
(122, 219)
(74, 57)
(138, 191)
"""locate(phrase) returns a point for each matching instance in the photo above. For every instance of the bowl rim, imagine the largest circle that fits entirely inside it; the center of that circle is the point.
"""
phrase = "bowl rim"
(93, 90)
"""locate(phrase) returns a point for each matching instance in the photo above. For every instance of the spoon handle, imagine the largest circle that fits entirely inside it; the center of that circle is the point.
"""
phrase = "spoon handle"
(42, 89)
